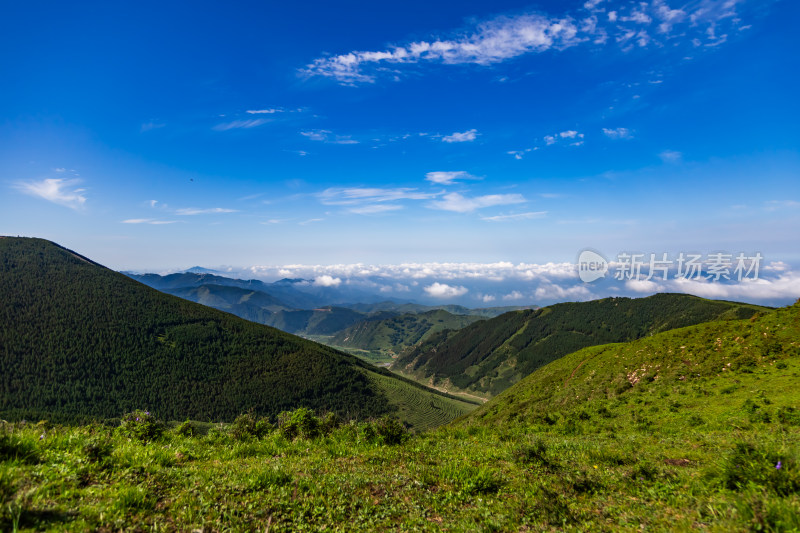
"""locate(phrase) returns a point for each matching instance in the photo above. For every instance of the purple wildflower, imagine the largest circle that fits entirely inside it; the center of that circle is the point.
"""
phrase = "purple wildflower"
(137, 418)
(778, 466)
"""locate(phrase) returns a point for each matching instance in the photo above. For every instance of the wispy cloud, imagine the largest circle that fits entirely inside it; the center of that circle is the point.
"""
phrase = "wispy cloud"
(370, 195)
(519, 216)
(519, 153)
(463, 204)
(670, 156)
(460, 137)
(372, 209)
(241, 124)
(148, 221)
(60, 191)
(490, 42)
(617, 133)
(572, 137)
(152, 125)
(449, 177)
(208, 211)
(503, 38)
(327, 136)
(774, 205)
(264, 111)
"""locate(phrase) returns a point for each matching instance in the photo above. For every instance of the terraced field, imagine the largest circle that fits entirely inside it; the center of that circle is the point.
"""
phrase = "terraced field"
(421, 408)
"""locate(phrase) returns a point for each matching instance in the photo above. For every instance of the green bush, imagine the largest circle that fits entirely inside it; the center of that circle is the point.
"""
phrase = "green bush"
(391, 431)
(185, 429)
(299, 423)
(141, 425)
(247, 426)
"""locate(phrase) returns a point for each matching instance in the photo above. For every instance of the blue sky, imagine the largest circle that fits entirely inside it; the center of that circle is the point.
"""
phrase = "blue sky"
(163, 135)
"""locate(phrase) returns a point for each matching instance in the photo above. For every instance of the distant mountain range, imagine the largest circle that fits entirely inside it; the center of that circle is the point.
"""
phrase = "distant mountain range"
(297, 306)
(78, 340)
(489, 356)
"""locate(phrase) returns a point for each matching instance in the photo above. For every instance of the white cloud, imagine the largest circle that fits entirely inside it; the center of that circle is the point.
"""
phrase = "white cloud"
(667, 16)
(514, 295)
(148, 221)
(774, 205)
(643, 286)
(518, 216)
(449, 177)
(241, 124)
(57, 190)
(327, 281)
(370, 195)
(465, 136)
(507, 37)
(374, 208)
(186, 211)
(148, 126)
(490, 42)
(327, 136)
(519, 153)
(264, 111)
(568, 135)
(639, 17)
(443, 290)
(670, 156)
(486, 298)
(462, 204)
(617, 133)
(551, 291)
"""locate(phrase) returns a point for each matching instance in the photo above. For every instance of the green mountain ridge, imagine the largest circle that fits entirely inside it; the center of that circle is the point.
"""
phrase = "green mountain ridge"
(78, 340)
(389, 337)
(695, 428)
(729, 359)
(489, 356)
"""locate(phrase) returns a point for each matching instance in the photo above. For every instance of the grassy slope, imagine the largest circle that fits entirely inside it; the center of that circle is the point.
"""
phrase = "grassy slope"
(79, 340)
(488, 357)
(714, 451)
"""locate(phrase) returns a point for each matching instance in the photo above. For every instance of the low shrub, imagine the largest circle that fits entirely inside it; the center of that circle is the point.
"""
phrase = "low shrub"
(247, 426)
(141, 425)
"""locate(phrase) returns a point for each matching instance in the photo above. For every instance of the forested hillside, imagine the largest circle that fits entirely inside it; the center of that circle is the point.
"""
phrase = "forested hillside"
(79, 340)
(489, 356)
(391, 336)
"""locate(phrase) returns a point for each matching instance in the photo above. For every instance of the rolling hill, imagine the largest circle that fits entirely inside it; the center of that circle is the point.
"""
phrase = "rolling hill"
(389, 337)
(489, 356)
(710, 369)
(78, 340)
(693, 429)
